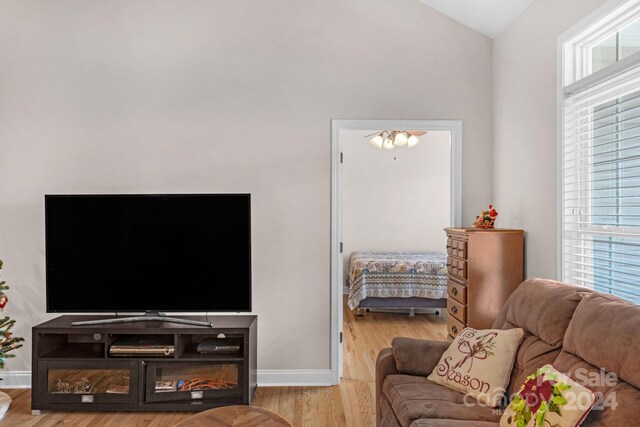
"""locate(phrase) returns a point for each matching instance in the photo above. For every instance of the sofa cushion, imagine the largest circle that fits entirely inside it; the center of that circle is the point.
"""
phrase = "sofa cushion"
(414, 397)
(532, 355)
(386, 417)
(617, 402)
(542, 308)
(604, 333)
(417, 357)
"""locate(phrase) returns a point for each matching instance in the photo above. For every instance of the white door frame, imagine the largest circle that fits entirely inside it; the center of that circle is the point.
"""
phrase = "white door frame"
(337, 128)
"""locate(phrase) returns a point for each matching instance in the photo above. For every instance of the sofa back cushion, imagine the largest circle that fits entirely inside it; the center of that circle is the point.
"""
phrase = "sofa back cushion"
(543, 308)
(533, 354)
(605, 332)
(616, 401)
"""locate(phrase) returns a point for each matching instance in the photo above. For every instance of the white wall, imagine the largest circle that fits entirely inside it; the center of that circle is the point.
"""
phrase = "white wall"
(395, 200)
(524, 125)
(221, 96)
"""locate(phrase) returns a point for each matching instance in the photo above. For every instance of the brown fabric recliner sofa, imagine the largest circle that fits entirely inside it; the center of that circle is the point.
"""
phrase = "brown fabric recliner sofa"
(577, 330)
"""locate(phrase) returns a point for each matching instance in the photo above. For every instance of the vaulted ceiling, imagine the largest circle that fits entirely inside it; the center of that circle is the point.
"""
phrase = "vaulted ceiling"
(489, 17)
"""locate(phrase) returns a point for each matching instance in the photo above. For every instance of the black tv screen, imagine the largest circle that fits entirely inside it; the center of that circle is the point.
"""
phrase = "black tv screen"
(132, 253)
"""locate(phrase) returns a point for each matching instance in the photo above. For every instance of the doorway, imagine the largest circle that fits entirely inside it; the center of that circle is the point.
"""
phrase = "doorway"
(449, 135)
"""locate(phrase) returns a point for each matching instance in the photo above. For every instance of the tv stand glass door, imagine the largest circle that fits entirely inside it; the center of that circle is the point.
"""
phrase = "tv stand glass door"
(97, 382)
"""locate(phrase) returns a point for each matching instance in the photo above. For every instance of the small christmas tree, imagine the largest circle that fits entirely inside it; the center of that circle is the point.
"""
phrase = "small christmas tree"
(7, 341)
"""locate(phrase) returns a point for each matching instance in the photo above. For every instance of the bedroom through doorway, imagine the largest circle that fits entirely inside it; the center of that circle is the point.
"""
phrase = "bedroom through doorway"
(393, 206)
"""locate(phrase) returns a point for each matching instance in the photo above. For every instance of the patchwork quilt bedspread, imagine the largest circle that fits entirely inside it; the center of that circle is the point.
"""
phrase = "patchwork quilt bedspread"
(396, 274)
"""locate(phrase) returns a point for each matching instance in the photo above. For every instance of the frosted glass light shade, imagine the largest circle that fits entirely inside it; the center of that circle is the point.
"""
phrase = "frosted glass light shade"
(400, 139)
(390, 139)
(388, 144)
(376, 141)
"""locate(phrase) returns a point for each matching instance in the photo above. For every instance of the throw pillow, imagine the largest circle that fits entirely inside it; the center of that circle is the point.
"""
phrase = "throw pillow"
(479, 363)
(551, 398)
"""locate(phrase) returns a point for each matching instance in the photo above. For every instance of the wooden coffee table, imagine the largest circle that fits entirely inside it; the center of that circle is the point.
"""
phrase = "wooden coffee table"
(235, 416)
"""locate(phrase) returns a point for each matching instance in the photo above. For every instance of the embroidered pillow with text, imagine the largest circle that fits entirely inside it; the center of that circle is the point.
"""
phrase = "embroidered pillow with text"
(479, 363)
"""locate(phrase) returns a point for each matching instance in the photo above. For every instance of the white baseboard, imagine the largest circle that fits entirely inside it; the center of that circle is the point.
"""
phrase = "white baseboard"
(294, 377)
(15, 379)
(266, 377)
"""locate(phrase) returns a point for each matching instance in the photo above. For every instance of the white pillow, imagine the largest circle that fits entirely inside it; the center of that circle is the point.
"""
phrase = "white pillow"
(548, 397)
(479, 363)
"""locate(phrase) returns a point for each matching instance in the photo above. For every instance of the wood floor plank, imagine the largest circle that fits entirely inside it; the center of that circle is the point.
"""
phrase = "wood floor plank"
(351, 403)
(358, 403)
(333, 410)
(309, 403)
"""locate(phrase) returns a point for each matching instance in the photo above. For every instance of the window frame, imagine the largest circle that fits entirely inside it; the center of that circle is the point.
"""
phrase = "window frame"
(609, 19)
(574, 64)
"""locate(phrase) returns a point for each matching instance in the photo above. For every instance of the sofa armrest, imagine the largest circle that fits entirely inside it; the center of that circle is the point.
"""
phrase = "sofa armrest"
(385, 365)
(417, 357)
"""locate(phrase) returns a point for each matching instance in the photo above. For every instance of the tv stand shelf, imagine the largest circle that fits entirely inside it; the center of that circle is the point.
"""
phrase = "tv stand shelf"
(74, 370)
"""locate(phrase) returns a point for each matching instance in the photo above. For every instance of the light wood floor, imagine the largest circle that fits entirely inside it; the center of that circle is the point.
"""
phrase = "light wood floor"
(349, 404)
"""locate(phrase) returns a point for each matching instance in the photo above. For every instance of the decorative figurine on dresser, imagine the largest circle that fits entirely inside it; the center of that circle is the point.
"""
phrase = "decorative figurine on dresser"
(484, 266)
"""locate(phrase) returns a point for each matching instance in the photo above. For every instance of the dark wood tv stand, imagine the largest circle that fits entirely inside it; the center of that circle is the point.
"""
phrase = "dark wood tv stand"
(73, 369)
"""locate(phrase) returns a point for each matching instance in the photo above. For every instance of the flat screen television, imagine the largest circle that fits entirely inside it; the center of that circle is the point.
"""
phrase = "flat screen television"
(155, 253)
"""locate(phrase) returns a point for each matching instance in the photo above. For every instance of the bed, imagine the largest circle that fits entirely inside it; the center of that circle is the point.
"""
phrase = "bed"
(411, 280)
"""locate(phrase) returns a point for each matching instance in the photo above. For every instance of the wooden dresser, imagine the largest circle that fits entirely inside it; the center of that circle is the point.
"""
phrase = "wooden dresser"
(484, 267)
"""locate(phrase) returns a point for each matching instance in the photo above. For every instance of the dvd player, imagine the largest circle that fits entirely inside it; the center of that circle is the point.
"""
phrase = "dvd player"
(211, 345)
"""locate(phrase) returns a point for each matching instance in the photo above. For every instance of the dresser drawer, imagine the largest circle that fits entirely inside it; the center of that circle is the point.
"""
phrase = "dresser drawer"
(457, 248)
(457, 268)
(457, 291)
(454, 326)
(457, 310)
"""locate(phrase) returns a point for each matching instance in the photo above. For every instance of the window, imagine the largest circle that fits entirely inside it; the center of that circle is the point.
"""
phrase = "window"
(618, 46)
(600, 178)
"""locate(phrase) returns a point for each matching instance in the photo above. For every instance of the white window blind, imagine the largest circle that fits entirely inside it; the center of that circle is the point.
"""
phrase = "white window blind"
(601, 183)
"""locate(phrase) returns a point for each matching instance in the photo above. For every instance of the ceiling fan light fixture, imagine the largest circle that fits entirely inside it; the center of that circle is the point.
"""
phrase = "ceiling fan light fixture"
(390, 139)
(412, 141)
(377, 141)
(400, 140)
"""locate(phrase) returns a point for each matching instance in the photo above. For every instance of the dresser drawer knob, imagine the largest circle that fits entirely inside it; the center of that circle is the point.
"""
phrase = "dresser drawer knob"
(454, 309)
(454, 329)
(454, 291)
